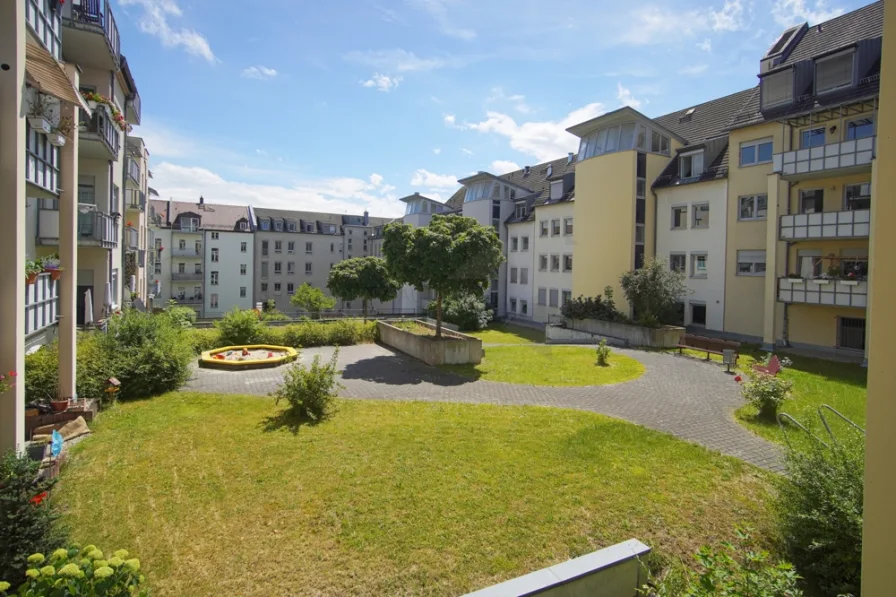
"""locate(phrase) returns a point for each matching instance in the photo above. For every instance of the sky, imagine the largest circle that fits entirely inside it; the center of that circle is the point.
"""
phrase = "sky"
(343, 106)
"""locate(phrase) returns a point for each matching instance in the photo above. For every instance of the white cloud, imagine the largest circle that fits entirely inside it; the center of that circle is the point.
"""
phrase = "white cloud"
(154, 21)
(705, 45)
(400, 61)
(437, 150)
(390, 16)
(730, 18)
(694, 70)
(450, 120)
(376, 179)
(438, 10)
(382, 83)
(660, 25)
(518, 100)
(162, 141)
(792, 12)
(626, 98)
(500, 167)
(466, 151)
(259, 72)
(431, 180)
(545, 139)
(335, 195)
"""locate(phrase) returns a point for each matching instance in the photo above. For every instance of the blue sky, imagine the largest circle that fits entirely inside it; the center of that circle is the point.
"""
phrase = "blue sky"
(344, 106)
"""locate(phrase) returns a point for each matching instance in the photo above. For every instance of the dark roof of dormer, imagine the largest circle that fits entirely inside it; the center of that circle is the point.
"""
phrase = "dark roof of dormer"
(716, 171)
(840, 32)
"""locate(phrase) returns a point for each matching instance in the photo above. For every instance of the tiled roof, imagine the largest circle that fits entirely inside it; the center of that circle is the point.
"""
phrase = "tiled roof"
(213, 216)
(319, 218)
(709, 119)
(864, 23)
(716, 171)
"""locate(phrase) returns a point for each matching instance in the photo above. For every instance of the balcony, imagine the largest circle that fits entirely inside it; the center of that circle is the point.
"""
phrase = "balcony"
(41, 304)
(186, 276)
(46, 25)
(190, 252)
(95, 228)
(41, 161)
(141, 258)
(188, 300)
(90, 34)
(134, 109)
(98, 137)
(133, 178)
(833, 159)
(131, 238)
(826, 225)
(836, 293)
(135, 200)
(186, 228)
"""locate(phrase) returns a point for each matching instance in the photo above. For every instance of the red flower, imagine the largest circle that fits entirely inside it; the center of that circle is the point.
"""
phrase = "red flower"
(738, 378)
(36, 500)
(12, 373)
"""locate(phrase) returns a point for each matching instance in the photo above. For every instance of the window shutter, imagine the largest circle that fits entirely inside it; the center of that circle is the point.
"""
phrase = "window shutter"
(834, 72)
(777, 88)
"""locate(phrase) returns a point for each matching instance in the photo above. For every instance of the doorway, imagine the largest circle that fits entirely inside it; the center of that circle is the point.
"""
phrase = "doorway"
(851, 333)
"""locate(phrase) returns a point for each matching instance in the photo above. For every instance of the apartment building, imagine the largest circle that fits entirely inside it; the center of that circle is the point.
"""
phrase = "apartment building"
(136, 239)
(204, 255)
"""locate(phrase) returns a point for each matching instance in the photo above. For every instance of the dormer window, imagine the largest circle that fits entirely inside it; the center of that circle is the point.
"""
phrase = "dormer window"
(556, 190)
(777, 89)
(690, 165)
(550, 170)
(291, 226)
(278, 225)
(520, 211)
(265, 224)
(834, 72)
(244, 225)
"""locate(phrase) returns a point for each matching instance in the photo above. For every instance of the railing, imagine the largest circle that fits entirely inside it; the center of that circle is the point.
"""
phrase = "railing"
(97, 226)
(141, 258)
(92, 12)
(186, 276)
(188, 252)
(41, 161)
(46, 24)
(136, 199)
(134, 109)
(833, 156)
(832, 292)
(101, 126)
(133, 171)
(829, 224)
(188, 300)
(186, 228)
(132, 238)
(41, 304)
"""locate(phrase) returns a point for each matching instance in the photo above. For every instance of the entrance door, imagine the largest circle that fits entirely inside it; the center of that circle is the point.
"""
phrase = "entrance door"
(79, 302)
(851, 334)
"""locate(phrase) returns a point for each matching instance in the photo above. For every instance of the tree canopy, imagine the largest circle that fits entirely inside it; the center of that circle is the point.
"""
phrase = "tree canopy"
(365, 278)
(312, 299)
(653, 290)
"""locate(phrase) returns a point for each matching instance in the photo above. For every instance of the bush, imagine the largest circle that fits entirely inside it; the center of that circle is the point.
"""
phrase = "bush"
(310, 391)
(42, 374)
(95, 366)
(93, 369)
(182, 316)
(820, 513)
(239, 327)
(653, 291)
(203, 339)
(765, 392)
(467, 312)
(603, 308)
(738, 569)
(85, 571)
(603, 354)
(27, 518)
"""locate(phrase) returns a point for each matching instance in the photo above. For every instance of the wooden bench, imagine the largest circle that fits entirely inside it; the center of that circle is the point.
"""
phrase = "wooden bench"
(773, 367)
(707, 345)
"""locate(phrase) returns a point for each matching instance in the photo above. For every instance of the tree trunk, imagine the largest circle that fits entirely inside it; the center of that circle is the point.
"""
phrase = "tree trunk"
(364, 306)
(439, 315)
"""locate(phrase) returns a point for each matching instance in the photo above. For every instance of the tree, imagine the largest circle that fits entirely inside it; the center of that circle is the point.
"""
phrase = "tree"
(653, 290)
(365, 278)
(312, 299)
(453, 255)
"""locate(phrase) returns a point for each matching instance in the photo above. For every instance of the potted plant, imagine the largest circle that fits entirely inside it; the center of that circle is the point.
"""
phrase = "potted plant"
(93, 99)
(60, 405)
(51, 264)
(39, 117)
(62, 130)
(32, 270)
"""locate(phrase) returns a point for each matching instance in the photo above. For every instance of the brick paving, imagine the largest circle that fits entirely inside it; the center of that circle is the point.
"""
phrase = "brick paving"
(690, 399)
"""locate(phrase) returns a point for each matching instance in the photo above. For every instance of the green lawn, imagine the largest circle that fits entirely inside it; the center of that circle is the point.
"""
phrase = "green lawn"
(387, 498)
(549, 366)
(507, 333)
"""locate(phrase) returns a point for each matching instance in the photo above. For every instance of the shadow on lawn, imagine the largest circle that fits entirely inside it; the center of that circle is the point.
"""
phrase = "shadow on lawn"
(287, 419)
(400, 370)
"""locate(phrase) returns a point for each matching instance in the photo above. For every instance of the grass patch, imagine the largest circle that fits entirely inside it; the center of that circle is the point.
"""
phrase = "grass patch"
(549, 366)
(388, 498)
(507, 333)
(416, 328)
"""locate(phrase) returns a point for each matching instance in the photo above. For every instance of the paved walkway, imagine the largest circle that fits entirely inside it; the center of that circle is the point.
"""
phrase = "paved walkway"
(688, 398)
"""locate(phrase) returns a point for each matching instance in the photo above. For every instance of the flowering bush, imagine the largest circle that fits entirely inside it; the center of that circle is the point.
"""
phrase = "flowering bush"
(765, 391)
(7, 381)
(117, 116)
(77, 571)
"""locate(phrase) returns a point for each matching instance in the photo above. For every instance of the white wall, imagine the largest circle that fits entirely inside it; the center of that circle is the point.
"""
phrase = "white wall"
(520, 259)
(711, 240)
(228, 266)
(481, 211)
(549, 245)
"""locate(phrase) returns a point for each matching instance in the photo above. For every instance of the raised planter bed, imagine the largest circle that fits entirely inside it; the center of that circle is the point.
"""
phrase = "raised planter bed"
(454, 348)
(630, 335)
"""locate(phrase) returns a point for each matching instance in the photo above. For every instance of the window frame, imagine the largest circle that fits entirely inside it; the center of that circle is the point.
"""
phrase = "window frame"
(820, 61)
(803, 195)
(744, 256)
(524, 276)
(555, 227)
(543, 258)
(563, 263)
(811, 132)
(694, 258)
(513, 275)
(541, 297)
(846, 200)
(756, 144)
(543, 228)
(524, 245)
(787, 74)
(567, 226)
(675, 208)
(755, 210)
(514, 244)
(850, 122)
(684, 262)
(695, 172)
(309, 268)
(694, 210)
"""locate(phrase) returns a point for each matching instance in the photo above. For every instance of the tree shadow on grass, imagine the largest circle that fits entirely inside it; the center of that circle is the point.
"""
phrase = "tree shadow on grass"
(289, 420)
(401, 370)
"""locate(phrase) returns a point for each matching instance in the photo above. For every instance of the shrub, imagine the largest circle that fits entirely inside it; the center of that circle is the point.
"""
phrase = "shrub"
(339, 333)
(95, 366)
(820, 513)
(239, 327)
(738, 569)
(603, 308)
(653, 290)
(310, 391)
(42, 373)
(182, 316)
(85, 571)
(466, 311)
(42, 370)
(27, 517)
(203, 339)
(765, 392)
(603, 354)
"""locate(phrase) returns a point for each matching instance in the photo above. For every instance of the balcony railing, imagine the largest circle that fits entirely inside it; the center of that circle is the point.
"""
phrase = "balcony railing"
(855, 155)
(188, 252)
(97, 226)
(132, 238)
(188, 300)
(41, 161)
(829, 224)
(134, 109)
(46, 25)
(41, 304)
(837, 293)
(184, 227)
(98, 13)
(141, 258)
(135, 199)
(186, 276)
(133, 171)
(99, 127)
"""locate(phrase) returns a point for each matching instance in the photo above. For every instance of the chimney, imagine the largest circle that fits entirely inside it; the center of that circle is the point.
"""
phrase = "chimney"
(527, 171)
(569, 157)
(366, 217)
(201, 200)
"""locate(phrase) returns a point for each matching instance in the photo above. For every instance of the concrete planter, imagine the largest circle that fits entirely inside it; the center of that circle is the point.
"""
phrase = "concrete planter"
(453, 349)
(630, 335)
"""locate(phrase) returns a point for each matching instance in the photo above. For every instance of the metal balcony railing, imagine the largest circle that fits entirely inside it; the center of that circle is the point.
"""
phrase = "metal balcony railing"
(97, 226)
(135, 199)
(100, 126)
(187, 252)
(99, 13)
(186, 276)
(41, 304)
(188, 300)
(134, 109)
(132, 238)
(133, 171)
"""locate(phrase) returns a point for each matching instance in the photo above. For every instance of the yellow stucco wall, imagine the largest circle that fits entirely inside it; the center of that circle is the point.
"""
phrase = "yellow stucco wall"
(816, 324)
(835, 136)
(655, 166)
(832, 187)
(605, 224)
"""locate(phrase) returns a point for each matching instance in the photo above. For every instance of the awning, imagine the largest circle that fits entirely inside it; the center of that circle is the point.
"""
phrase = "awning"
(45, 73)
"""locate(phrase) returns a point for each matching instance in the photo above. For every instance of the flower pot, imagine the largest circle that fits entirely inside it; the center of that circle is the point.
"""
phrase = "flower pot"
(59, 406)
(40, 124)
(849, 282)
(56, 139)
(821, 281)
(55, 274)
(30, 279)
(91, 104)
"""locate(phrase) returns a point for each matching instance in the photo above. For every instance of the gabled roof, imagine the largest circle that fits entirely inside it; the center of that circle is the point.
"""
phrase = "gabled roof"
(212, 216)
(709, 119)
(716, 171)
(864, 23)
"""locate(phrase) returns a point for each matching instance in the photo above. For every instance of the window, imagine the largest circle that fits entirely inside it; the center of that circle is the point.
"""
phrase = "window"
(677, 262)
(198, 247)
(555, 227)
(701, 216)
(543, 263)
(524, 241)
(567, 263)
(243, 269)
(513, 305)
(113, 279)
(278, 246)
(542, 297)
(332, 247)
(809, 263)
(659, 143)
(308, 247)
(690, 165)
(834, 72)
(854, 261)
(751, 263)
(777, 89)
(513, 275)
(520, 211)
(215, 235)
(264, 286)
(812, 138)
(244, 225)
(243, 247)
(565, 297)
(524, 275)
(524, 307)
(264, 248)
(567, 225)
(215, 255)
(157, 267)
(264, 269)
(859, 128)
(242, 292)
(698, 265)
(278, 225)
(698, 314)
(680, 217)
(213, 301)
(812, 201)
(543, 228)
(278, 268)
(214, 278)
(307, 268)
(182, 244)
(755, 152)
(514, 243)
(858, 196)
(290, 288)
(265, 224)
(291, 246)
(290, 267)
(277, 287)
(554, 297)
(197, 268)
(291, 226)
(753, 207)
(555, 263)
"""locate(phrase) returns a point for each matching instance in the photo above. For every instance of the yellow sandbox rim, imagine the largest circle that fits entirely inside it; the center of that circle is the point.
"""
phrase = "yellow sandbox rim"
(289, 354)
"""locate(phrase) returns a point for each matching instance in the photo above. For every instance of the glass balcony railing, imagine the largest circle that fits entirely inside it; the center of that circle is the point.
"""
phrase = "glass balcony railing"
(132, 238)
(833, 158)
(133, 171)
(818, 291)
(828, 224)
